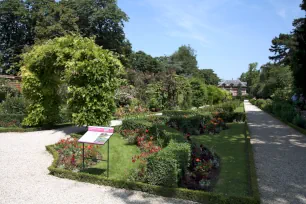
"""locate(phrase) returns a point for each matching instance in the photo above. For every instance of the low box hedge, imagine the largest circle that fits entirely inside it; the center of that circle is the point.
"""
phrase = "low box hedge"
(133, 124)
(180, 193)
(230, 117)
(172, 113)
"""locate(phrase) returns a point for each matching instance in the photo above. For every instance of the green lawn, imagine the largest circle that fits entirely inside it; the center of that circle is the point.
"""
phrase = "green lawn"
(230, 147)
(120, 158)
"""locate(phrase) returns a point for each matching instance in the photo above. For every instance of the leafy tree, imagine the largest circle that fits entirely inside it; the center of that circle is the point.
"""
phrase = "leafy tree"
(199, 93)
(14, 32)
(186, 58)
(209, 76)
(243, 77)
(299, 62)
(252, 77)
(102, 19)
(141, 61)
(89, 72)
(283, 48)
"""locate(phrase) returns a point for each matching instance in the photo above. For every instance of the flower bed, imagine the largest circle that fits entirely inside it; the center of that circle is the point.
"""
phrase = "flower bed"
(71, 154)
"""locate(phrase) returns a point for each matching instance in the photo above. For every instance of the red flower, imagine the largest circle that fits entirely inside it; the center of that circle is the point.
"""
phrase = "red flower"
(198, 160)
(147, 131)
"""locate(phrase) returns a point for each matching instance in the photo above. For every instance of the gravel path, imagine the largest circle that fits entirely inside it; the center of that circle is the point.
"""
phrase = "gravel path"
(280, 157)
(24, 175)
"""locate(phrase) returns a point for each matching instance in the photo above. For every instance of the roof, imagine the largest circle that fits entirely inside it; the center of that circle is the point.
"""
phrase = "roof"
(235, 83)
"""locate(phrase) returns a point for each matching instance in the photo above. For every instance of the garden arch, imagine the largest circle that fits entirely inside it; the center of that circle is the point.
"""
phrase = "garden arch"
(88, 73)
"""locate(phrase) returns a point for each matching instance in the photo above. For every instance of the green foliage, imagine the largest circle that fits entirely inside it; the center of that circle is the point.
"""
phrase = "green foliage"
(209, 76)
(199, 93)
(172, 113)
(6, 90)
(141, 61)
(89, 72)
(166, 167)
(299, 121)
(25, 22)
(13, 105)
(134, 124)
(189, 124)
(11, 120)
(162, 171)
(186, 58)
(230, 117)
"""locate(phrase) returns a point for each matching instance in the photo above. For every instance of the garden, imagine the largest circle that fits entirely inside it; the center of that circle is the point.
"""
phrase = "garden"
(199, 155)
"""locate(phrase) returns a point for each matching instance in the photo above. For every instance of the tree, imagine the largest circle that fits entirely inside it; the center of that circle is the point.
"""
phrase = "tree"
(141, 61)
(90, 73)
(243, 77)
(299, 62)
(252, 77)
(102, 19)
(199, 93)
(186, 58)
(283, 48)
(14, 32)
(209, 76)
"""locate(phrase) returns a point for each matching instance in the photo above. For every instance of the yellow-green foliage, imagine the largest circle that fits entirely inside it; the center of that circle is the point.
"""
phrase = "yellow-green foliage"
(89, 72)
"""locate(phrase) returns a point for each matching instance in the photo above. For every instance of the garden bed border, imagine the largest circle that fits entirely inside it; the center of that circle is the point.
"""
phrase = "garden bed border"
(179, 193)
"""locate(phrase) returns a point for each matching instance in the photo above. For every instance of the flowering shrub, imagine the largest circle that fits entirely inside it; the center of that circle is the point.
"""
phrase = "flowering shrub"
(130, 112)
(71, 154)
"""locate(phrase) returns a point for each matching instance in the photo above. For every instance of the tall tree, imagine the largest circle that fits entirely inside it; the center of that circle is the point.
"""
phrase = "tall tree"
(283, 48)
(252, 77)
(141, 61)
(209, 76)
(102, 19)
(14, 32)
(299, 62)
(186, 57)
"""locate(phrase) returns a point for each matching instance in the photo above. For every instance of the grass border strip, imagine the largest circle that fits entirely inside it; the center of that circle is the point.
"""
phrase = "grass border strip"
(254, 189)
(179, 193)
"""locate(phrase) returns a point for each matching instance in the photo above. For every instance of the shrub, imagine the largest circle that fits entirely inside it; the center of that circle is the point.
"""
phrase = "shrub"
(134, 124)
(230, 117)
(167, 166)
(189, 124)
(162, 171)
(299, 121)
(11, 120)
(165, 134)
(172, 113)
(13, 105)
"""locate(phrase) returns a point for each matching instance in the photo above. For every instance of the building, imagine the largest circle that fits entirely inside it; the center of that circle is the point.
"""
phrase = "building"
(14, 81)
(233, 86)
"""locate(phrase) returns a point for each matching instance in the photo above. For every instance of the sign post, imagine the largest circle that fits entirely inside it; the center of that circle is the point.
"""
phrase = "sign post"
(97, 136)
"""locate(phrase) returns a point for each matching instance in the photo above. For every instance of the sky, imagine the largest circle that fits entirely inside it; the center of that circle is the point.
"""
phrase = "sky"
(227, 35)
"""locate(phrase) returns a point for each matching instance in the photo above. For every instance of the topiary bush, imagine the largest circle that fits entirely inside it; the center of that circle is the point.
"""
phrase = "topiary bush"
(90, 73)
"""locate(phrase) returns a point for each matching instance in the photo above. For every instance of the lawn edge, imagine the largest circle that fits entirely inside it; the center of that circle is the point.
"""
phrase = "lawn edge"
(179, 193)
(254, 189)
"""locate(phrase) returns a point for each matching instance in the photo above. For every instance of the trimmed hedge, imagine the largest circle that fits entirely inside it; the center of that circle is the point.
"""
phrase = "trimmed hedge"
(11, 120)
(189, 124)
(166, 134)
(167, 167)
(180, 193)
(172, 113)
(162, 171)
(133, 124)
(230, 117)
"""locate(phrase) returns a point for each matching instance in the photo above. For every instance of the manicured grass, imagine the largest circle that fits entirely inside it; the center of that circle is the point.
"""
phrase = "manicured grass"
(230, 146)
(240, 109)
(120, 158)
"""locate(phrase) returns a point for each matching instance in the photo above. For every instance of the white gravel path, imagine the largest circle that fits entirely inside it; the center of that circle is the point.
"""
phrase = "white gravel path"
(24, 175)
(280, 158)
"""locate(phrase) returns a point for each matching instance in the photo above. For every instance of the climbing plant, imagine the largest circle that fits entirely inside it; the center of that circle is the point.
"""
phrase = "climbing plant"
(89, 72)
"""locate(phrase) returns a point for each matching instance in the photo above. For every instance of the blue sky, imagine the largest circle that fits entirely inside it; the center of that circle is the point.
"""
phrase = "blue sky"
(227, 34)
